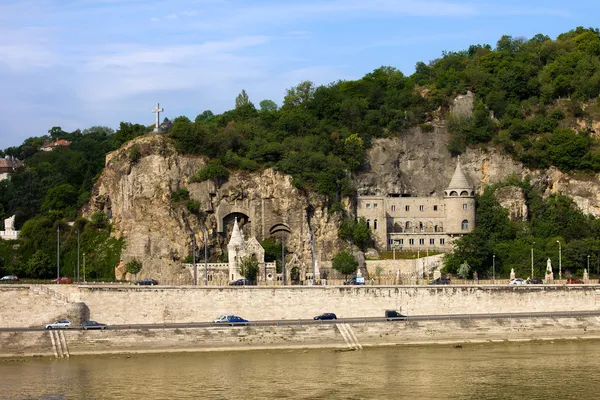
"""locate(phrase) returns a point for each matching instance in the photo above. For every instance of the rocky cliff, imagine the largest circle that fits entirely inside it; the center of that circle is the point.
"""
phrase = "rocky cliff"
(137, 194)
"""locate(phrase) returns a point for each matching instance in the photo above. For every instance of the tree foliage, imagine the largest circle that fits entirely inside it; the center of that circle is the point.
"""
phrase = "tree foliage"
(345, 263)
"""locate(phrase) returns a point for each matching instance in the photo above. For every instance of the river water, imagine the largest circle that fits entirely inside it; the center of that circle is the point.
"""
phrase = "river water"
(561, 370)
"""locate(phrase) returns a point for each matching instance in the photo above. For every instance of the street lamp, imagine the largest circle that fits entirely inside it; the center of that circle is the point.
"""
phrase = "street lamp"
(205, 255)
(194, 257)
(84, 267)
(494, 268)
(58, 255)
(77, 255)
(588, 264)
(532, 259)
(559, 261)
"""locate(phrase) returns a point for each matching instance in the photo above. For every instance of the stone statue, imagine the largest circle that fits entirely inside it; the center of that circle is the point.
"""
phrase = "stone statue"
(9, 224)
(549, 278)
(548, 265)
(512, 273)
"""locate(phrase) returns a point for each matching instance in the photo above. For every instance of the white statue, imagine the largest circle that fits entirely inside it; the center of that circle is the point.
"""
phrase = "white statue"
(512, 273)
(548, 265)
(9, 224)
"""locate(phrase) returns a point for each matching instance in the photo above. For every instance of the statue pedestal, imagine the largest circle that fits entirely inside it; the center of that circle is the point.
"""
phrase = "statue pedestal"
(549, 277)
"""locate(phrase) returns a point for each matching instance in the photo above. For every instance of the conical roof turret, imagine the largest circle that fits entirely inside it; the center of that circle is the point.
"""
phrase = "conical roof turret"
(459, 179)
(237, 238)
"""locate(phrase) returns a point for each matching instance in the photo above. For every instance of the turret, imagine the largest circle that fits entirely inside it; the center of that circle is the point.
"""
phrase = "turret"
(459, 200)
(235, 245)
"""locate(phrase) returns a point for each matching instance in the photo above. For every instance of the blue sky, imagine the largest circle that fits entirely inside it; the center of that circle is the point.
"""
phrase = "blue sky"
(80, 63)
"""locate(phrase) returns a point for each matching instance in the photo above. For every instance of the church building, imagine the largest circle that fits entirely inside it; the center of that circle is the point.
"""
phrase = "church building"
(421, 223)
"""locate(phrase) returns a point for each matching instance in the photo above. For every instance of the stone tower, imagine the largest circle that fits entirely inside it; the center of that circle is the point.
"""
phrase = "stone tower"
(234, 250)
(459, 201)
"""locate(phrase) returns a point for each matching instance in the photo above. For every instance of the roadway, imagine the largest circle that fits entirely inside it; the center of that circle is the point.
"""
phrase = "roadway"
(288, 322)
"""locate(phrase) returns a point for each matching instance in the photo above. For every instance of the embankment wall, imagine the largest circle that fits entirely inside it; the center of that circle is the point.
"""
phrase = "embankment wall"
(120, 304)
(333, 336)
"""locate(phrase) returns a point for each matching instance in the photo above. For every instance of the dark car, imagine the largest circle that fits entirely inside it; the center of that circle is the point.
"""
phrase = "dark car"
(12, 278)
(92, 325)
(64, 279)
(392, 315)
(231, 320)
(355, 281)
(534, 281)
(241, 282)
(574, 281)
(325, 316)
(440, 281)
(147, 281)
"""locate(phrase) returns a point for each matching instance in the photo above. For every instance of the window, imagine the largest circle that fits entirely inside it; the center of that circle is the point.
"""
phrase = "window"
(368, 223)
(465, 206)
(442, 241)
(375, 205)
(421, 208)
(432, 241)
(393, 208)
(401, 242)
(375, 224)
(434, 208)
(407, 208)
(421, 241)
(411, 241)
(453, 193)
(368, 205)
(465, 225)
(390, 241)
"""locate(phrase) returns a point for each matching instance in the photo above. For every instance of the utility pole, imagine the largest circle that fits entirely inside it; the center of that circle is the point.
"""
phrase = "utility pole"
(494, 268)
(532, 259)
(84, 267)
(559, 261)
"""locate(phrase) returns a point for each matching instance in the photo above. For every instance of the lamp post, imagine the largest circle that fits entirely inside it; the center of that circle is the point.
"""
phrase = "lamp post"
(494, 268)
(559, 261)
(205, 255)
(194, 258)
(588, 264)
(532, 259)
(77, 255)
(58, 255)
(84, 267)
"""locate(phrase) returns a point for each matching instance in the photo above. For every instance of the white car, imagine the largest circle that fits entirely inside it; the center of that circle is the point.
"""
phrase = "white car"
(60, 324)
(517, 281)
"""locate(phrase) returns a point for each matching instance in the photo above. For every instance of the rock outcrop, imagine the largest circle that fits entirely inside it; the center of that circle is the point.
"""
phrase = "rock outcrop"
(136, 194)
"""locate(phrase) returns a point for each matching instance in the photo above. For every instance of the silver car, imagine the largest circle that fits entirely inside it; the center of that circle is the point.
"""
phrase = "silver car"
(517, 281)
(60, 324)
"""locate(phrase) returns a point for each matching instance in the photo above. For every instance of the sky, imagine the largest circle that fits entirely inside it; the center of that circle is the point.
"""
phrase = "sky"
(83, 63)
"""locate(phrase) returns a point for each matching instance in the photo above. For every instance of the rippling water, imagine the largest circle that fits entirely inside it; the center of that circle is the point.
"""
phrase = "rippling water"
(562, 370)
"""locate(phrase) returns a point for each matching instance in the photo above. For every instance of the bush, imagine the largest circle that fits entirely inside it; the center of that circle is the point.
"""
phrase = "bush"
(134, 154)
(134, 266)
(213, 171)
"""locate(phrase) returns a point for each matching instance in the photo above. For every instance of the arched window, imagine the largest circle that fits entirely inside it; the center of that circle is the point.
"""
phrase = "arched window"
(464, 193)
(420, 227)
(368, 223)
(465, 225)
(453, 193)
(375, 224)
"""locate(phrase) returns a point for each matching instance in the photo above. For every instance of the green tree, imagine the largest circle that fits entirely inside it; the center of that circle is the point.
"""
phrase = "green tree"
(40, 265)
(134, 266)
(345, 263)
(242, 99)
(213, 171)
(268, 105)
(249, 268)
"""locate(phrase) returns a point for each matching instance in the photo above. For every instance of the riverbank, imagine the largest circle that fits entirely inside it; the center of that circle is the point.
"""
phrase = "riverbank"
(354, 336)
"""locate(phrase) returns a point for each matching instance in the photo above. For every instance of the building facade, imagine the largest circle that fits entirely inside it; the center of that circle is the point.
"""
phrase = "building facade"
(421, 223)
(9, 165)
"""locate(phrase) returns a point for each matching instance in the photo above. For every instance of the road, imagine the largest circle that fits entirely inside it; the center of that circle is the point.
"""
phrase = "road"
(287, 322)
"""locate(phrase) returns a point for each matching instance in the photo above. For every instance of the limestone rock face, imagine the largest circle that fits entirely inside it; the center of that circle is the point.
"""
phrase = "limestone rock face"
(512, 198)
(419, 164)
(137, 197)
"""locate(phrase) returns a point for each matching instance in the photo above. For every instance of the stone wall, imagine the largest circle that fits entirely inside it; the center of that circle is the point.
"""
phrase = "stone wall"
(148, 305)
(335, 336)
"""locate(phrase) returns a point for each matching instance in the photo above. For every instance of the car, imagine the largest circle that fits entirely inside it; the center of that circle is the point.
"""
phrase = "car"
(356, 280)
(440, 281)
(534, 281)
(517, 281)
(391, 315)
(325, 316)
(147, 282)
(231, 319)
(63, 279)
(574, 281)
(60, 324)
(241, 282)
(13, 278)
(92, 325)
